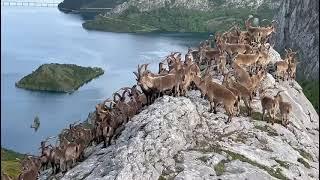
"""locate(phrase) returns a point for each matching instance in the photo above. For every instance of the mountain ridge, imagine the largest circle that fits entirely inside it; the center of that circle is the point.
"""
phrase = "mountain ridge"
(177, 138)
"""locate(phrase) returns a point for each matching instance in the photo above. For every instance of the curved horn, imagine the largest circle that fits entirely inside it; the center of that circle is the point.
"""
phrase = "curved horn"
(146, 66)
(134, 88)
(279, 92)
(50, 137)
(74, 123)
(139, 69)
(114, 96)
(125, 88)
(137, 75)
(123, 93)
(112, 102)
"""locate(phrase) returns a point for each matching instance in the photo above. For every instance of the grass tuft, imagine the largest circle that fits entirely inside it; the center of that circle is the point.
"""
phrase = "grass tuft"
(302, 161)
(220, 167)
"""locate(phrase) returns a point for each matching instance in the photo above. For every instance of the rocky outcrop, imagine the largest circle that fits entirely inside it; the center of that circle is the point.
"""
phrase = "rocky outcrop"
(177, 138)
(298, 28)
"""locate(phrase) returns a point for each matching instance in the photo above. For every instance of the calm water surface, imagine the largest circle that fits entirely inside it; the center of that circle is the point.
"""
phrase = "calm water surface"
(33, 36)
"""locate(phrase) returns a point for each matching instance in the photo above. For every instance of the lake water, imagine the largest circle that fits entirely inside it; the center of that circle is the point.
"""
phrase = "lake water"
(31, 36)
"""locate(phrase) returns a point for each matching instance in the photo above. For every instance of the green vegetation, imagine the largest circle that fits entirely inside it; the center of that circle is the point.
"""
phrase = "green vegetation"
(311, 91)
(277, 173)
(177, 19)
(59, 77)
(9, 164)
(116, 25)
(302, 161)
(220, 167)
(203, 158)
(284, 164)
(304, 154)
(268, 129)
(162, 178)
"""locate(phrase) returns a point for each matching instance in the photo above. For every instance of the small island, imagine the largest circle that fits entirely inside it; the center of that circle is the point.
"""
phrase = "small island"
(59, 77)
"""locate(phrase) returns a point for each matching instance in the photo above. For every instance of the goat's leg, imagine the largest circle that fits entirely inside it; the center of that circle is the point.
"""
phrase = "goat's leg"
(52, 167)
(229, 113)
(104, 142)
(263, 112)
(211, 108)
(273, 117)
(109, 140)
(282, 120)
(246, 103)
(215, 108)
(270, 117)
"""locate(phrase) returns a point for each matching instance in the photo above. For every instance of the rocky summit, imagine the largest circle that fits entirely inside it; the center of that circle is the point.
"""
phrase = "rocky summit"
(177, 138)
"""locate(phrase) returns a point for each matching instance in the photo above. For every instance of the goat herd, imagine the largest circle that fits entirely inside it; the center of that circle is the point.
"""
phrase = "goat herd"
(240, 57)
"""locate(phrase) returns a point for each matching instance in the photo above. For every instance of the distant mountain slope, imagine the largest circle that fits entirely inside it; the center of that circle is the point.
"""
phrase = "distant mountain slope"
(173, 15)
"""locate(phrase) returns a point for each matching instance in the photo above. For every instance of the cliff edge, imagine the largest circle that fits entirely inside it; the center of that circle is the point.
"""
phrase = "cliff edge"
(298, 28)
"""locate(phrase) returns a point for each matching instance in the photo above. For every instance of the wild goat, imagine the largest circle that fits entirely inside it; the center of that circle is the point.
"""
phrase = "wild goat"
(57, 159)
(241, 75)
(222, 64)
(292, 70)
(242, 92)
(32, 172)
(247, 60)
(269, 104)
(256, 79)
(217, 93)
(232, 35)
(160, 83)
(106, 132)
(71, 154)
(282, 68)
(147, 91)
(285, 109)
(235, 48)
(259, 34)
(139, 97)
(209, 55)
(5, 176)
(191, 69)
(122, 106)
(264, 60)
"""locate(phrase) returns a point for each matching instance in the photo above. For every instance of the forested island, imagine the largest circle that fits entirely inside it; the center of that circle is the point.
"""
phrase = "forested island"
(59, 77)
